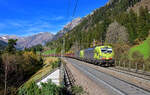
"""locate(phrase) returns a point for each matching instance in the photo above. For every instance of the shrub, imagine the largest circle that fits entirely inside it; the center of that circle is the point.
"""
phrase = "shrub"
(120, 50)
(48, 88)
(55, 64)
(77, 90)
(29, 89)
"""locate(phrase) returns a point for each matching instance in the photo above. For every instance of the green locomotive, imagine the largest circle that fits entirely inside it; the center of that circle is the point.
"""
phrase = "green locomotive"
(100, 55)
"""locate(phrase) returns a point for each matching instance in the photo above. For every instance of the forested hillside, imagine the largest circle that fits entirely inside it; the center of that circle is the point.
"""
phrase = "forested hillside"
(95, 26)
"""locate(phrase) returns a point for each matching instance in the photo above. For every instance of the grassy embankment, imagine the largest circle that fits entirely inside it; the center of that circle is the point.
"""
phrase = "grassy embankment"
(136, 57)
(143, 48)
(140, 54)
(47, 52)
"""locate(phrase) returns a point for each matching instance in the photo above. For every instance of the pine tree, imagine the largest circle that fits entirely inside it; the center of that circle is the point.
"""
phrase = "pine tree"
(11, 46)
(142, 23)
(132, 26)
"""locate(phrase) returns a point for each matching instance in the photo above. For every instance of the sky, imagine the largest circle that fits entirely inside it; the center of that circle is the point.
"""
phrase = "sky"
(28, 17)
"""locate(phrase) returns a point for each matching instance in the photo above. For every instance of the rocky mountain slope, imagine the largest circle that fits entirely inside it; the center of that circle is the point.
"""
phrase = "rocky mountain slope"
(67, 28)
(2, 45)
(29, 41)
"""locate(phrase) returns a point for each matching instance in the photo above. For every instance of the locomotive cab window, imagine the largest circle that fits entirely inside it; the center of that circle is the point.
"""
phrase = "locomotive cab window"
(106, 50)
(109, 50)
(103, 50)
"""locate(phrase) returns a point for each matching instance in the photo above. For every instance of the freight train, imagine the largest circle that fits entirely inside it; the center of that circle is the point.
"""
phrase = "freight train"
(99, 55)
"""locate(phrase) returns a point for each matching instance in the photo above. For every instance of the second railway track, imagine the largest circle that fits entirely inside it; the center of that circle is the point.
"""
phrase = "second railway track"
(135, 74)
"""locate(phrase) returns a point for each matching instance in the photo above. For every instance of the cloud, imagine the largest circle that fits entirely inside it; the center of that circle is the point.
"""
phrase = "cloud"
(29, 27)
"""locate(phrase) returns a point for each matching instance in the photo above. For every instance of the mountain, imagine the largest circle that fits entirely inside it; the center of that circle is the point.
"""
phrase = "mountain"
(67, 28)
(6, 37)
(33, 40)
(2, 45)
(29, 41)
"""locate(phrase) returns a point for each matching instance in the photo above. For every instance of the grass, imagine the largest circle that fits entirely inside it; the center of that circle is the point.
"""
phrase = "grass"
(49, 52)
(143, 48)
(48, 60)
(37, 52)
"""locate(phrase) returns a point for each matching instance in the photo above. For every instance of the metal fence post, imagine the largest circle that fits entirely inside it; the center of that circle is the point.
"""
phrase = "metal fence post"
(115, 64)
(124, 65)
(129, 65)
(136, 67)
(119, 64)
(143, 67)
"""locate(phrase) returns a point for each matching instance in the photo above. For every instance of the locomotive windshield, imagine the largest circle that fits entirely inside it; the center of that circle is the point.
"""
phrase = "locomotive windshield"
(109, 50)
(106, 50)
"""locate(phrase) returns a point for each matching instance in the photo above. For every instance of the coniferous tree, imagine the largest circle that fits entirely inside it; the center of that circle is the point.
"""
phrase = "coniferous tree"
(142, 23)
(132, 25)
(11, 46)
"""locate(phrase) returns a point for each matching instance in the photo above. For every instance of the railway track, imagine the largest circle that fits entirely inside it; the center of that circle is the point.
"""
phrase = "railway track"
(114, 85)
(135, 74)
